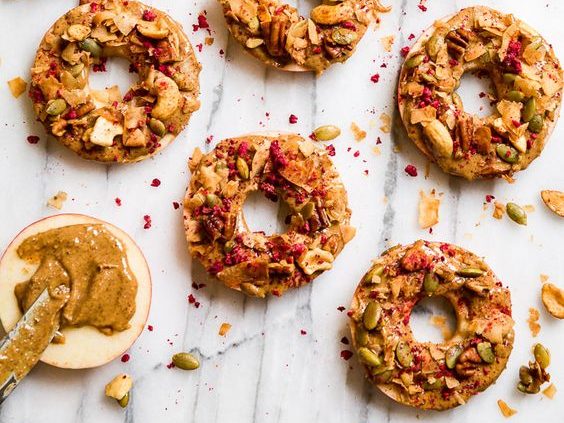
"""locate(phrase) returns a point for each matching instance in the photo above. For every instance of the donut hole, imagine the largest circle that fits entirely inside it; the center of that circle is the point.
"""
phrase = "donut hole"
(263, 215)
(472, 91)
(431, 319)
(116, 73)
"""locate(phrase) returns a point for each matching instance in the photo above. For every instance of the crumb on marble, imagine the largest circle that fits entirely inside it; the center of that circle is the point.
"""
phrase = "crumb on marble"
(57, 200)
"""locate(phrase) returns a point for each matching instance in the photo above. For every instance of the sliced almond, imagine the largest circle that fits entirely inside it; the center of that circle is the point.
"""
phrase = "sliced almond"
(119, 386)
(553, 300)
(554, 200)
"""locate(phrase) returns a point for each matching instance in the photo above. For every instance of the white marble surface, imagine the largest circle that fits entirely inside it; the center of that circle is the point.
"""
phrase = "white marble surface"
(265, 370)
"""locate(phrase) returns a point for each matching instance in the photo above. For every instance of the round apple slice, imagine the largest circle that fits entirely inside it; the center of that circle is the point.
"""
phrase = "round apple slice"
(85, 346)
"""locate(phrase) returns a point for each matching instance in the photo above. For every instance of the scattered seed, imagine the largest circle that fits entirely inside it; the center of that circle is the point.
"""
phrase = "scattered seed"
(542, 356)
(470, 272)
(327, 132)
(185, 361)
(516, 213)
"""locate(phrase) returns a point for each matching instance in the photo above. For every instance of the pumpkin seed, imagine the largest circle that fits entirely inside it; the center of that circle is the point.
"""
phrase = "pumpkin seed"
(516, 213)
(124, 401)
(344, 36)
(242, 168)
(374, 276)
(403, 354)
(470, 272)
(307, 210)
(434, 45)
(485, 352)
(253, 24)
(529, 110)
(367, 356)
(516, 96)
(383, 377)
(76, 70)
(228, 246)
(430, 283)
(211, 200)
(185, 361)
(157, 126)
(536, 123)
(361, 336)
(327, 132)
(435, 386)
(507, 153)
(253, 290)
(457, 101)
(542, 356)
(371, 315)
(254, 42)
(414, 61)
(522, 388)
(509, 78)
(91, 47)
(525, 375)
(452, 354)
(56, 107)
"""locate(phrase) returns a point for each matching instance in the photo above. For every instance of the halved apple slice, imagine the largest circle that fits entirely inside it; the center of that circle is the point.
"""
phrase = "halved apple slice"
(84, 347)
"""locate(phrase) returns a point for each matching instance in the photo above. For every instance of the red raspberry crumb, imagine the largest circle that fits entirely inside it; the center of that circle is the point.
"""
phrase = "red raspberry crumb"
(375, 78)
(176, 205)
(303, 332)
(155, 182)
(422, 7)
(411, 170)
(125, 358)
(341, 308)
(149, 15)
(148, 221)
(345, 340)
(118, 201)
(293, 119)
(170, 365)
(191, 299)
(489, 198)
(33, 139)
(346, 354)
(356, 153)
(404, 51)
(150, 328)
(330, 150)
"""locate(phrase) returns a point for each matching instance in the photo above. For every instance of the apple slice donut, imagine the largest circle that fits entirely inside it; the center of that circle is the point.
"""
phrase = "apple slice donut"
(84, 346)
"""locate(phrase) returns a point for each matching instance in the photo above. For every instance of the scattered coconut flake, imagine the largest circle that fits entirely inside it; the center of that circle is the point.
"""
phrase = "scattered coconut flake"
(533, 321)
(358, 133)
(499, 210)
(224, 328)
(57, 200)
(428, 209)
(387, 42)
(17, 86)
(386, 120)
(550, 391)
(543, 278)
(506, 410)
(376, 150)
(441, 323)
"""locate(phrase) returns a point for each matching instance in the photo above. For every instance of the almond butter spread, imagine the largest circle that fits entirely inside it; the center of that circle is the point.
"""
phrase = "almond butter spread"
(92, 262)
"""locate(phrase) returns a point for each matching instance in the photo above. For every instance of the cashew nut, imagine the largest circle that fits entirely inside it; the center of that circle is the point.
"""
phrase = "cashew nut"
(315, 260)
(156, 30)
(119, 386)
(104, 132)
(168, 97)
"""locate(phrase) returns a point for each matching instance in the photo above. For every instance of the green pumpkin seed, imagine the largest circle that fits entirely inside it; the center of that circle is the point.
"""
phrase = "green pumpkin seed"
(542, 356)
(124, 401)
(242, 168)
(254, 24)
(509, 78)
(374, 276)
(361, 336)
(383, 377)
(344, 36)
(327, 132)
(252, 290)
(434, 45)
(403, 354)
(56, 107)
(522, 388)
(371, 315)
(367, 356)
(507, 153)
(307, 210)
(457, 101)
(430, 283)
(529, 110)
(516, 213)
(228, 246)
(516, 96)
(486, 352)
(452, 354)
(535, 43)
(470, 272)
(91, 47)
(211, 200)
(535, 124)
(157, 127)
(525, 375)
(414, 61)
(185, 361)
(435, 386)
(76, 70)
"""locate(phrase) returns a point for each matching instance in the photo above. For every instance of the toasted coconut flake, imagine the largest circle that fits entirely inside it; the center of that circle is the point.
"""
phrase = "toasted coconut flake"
(224, 328)
(553, 300)
(543, 278)
(358, 133)
(428, 209)
(57, 200)
(17, 86)
(387, 43)
(195, 159)
(550, 391)
(424, 114)
(554, 200)
(505, 409)
(533, 321)
(386, 120)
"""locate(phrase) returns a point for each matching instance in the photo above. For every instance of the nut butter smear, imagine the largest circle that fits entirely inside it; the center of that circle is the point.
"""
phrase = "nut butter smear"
(92, 263)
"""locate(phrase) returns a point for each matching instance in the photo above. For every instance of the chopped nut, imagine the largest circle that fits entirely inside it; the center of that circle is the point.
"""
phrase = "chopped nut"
(387, 42)
(17, 86)
(554, 200)
(506, 410)
(428, 209)
(105, 131)
(499, 210)
(550, 392)
(57, 200)
(315, 260)
(553, 300)
(358, 133)
(224, 328)
(119, 386)
(533, 321)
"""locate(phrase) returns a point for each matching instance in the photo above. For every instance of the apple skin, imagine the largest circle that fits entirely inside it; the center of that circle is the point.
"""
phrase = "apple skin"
(85, 347)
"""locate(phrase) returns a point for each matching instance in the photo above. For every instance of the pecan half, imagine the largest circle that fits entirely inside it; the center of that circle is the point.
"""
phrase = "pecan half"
(465, 131)
(275, 35)
(468, 362)
(457, 41)
(483, 139)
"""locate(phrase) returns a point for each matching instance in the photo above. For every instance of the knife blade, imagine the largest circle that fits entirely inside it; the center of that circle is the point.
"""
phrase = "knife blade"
(22, 347)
